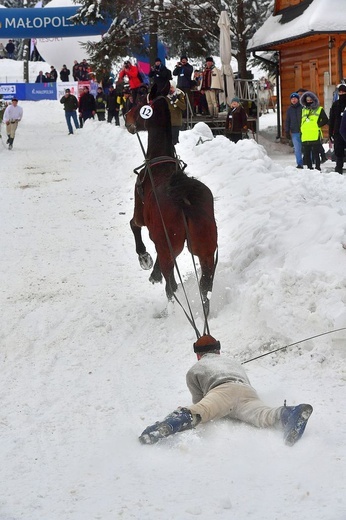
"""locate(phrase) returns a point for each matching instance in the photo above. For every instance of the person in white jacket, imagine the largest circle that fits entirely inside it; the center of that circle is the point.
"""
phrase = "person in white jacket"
(13, 114)
(211, 85)
(220, 388)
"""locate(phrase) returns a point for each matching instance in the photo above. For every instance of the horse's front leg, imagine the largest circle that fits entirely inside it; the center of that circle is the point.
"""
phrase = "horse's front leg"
(145, 260)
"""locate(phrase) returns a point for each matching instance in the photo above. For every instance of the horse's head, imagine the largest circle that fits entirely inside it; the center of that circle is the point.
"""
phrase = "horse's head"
(136, 118)
(133, 121)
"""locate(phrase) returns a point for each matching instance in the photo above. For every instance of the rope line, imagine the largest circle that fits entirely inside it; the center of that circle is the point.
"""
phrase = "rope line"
(292, 344)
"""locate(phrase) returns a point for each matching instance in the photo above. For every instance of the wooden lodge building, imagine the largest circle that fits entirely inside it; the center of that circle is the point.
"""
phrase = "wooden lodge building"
(310, 38)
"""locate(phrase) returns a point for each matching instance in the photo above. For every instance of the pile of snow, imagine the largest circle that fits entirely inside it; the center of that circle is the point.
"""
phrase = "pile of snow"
(12, 71)
(86, 364)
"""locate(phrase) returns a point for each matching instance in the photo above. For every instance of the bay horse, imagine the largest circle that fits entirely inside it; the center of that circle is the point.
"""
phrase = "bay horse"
(174, 207)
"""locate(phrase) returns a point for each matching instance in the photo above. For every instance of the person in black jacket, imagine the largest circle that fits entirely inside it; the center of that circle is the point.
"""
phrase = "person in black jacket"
(106, 80)
(64, 73)
(343, 126)
(87, 105)
(335, 115)
(10, 48)
(183, 70)
(292, 127)
(236, 121)
(70, 103)
(53, 74)
(160, 74)
(41, 78)
(101, 101)
(113, 106)
(75, 70)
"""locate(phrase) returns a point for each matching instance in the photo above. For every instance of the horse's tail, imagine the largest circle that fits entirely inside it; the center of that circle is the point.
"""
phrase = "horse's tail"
(191, 195)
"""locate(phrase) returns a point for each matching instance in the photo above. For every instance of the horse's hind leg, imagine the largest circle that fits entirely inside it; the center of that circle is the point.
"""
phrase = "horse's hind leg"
(156, 275)
(166, 266)
(145, 260)
(206, 282)
(171, 285)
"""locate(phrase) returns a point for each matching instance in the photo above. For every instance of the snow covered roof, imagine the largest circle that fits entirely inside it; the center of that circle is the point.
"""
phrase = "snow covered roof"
(320, 16)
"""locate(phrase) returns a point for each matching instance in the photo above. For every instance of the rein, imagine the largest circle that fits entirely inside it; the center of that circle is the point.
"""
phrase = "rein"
(292, 344)
(206, 324)
(189, 318)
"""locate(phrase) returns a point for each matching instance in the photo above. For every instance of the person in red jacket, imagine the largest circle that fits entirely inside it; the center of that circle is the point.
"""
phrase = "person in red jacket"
(132, 73)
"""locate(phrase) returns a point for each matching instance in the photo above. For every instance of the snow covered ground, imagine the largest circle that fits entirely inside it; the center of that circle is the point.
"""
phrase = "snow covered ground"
(86, 365)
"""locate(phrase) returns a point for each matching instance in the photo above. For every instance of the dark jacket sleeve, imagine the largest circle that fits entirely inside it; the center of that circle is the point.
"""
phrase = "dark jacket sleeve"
(332, 117)
(322, 119)
(343, 126)
(288, 122)
(244, 119)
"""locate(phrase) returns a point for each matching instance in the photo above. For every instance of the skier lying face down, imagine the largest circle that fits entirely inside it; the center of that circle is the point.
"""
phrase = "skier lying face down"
(220, 388)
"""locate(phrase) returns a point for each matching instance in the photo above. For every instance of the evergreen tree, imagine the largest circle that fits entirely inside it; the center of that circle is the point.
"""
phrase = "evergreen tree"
(184, 27)
(21, 3)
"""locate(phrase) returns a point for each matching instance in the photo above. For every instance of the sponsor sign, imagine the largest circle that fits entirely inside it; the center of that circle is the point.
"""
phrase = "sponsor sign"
(37, 91)
(10, 90)
(47, 22)
(63, 85)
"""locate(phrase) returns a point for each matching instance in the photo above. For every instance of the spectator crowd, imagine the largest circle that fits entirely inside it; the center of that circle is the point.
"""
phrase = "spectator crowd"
(196, 93)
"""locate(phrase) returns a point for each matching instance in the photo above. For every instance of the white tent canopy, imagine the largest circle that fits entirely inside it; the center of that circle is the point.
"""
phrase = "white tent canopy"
(226, 57)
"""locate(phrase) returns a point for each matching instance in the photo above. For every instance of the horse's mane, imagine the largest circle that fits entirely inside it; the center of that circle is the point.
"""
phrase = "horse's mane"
(160, 135)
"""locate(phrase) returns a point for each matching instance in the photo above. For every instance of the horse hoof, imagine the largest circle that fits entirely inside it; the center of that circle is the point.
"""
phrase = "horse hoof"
(145, 261)
(155, 279)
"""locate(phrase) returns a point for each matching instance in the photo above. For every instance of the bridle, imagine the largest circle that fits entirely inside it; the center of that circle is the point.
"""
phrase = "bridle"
(147, 101)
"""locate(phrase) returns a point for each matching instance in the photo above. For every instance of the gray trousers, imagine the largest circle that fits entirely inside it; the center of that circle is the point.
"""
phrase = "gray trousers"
(236, 401)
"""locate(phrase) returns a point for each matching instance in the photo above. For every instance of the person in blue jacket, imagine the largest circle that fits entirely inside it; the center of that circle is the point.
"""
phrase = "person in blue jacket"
(292, 127)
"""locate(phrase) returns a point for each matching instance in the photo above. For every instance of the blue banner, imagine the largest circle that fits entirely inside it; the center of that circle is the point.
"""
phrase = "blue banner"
(38, 91)
(28, 91)
(10, 90)
(47, 22)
